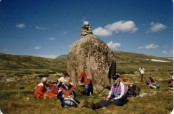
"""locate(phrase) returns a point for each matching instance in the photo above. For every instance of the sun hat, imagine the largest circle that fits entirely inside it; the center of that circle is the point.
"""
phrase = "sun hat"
(116, 76)
(44, 79)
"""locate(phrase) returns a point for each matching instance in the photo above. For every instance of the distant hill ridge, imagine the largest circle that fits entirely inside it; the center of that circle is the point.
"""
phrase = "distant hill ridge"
(61, 56)
(9, 61)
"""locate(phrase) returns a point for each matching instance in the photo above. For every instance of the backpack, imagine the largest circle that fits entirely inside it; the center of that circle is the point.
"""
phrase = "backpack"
(133, 91)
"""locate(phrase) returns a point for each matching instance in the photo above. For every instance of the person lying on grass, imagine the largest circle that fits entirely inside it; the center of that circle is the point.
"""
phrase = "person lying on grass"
(117, 95)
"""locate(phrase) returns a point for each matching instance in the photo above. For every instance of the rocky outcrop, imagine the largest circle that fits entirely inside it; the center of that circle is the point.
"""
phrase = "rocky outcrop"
(91, 54)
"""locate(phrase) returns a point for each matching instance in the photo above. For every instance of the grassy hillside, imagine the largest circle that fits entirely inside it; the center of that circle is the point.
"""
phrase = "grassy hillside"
(19, 75)
(22, 62)
(130, 62)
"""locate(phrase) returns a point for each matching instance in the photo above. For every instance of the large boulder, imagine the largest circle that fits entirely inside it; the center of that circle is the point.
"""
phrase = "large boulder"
(92, 55)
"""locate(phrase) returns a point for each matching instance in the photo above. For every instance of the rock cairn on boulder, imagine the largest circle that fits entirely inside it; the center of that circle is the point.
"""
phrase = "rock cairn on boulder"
(92, 55)
(86, 29)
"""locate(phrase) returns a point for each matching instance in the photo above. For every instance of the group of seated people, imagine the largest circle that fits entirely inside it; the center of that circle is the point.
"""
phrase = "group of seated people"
(63, 89)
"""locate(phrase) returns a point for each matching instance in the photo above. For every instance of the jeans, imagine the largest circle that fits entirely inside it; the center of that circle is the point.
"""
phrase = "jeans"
(111, 101)
(88, 90)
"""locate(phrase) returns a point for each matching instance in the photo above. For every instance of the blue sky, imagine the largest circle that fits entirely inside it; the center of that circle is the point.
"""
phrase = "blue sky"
(48, 28)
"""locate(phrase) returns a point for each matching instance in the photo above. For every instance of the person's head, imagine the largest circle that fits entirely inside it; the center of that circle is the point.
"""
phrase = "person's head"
(83, 74)
(116, 78)
(67, 81)
(44, 80)
(151, 79)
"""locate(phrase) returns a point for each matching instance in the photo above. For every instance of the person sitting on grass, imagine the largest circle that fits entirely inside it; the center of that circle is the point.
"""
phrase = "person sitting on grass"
(66, 94)
(170, 82)
(88, 86)
(51, 90)
(61, 79)
(150, 82)
(40, 89)
(133, 90)
(117, 96)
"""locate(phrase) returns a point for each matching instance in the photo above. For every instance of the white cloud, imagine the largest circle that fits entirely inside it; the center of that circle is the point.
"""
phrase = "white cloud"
(40, 28)
(37, 47)
(164, 52)
(151, 46)
(113, 45)
(116, 27)
(5, 50)
(156, 27)
(51, 38)
(102, 32)
(20, 26)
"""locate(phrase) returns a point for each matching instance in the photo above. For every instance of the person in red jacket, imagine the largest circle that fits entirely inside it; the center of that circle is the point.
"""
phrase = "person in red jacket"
(82, 78)
(51, 90)
(40, 88)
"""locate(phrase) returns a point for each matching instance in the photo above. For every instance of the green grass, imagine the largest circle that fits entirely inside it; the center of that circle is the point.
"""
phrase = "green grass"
(16, 97)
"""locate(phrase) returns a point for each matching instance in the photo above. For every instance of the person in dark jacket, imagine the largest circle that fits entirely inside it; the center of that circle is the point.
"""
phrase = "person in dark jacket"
(66, 94)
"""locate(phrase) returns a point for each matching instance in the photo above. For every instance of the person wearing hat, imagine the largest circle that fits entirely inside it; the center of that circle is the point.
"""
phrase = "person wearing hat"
(40, 88)
(117, 95)
(66, 94)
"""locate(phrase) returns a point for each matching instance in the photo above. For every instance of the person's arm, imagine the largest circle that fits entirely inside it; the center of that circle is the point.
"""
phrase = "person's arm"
(68, 92)
(122, 92)
(109, 94)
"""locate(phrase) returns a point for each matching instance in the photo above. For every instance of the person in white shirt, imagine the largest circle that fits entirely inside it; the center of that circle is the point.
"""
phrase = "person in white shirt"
(141, 70)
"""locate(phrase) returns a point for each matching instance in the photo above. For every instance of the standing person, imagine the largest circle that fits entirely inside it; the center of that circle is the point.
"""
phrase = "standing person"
(142, 70)
(117, 95)
(66, 94)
